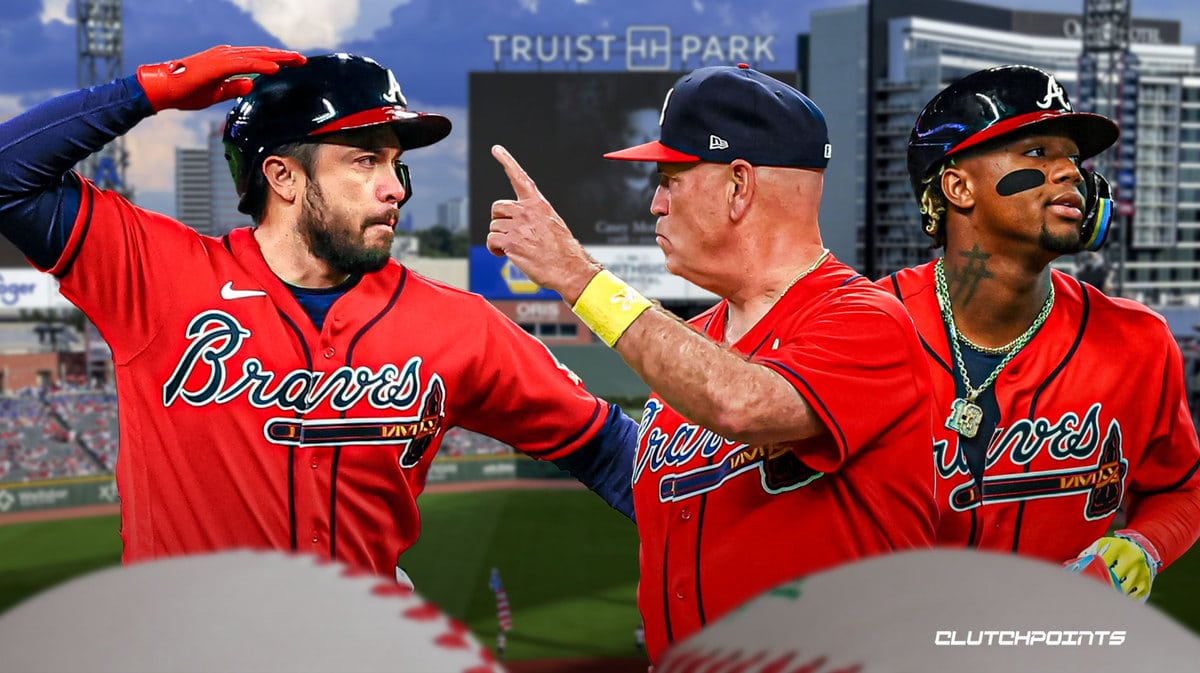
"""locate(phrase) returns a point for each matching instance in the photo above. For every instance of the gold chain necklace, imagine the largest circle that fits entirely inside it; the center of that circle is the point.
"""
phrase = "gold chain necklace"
(812, 267)
(990, 350)
(965, 414)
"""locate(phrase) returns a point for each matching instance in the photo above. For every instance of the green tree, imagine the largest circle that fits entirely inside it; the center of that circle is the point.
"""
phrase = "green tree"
(438, 241)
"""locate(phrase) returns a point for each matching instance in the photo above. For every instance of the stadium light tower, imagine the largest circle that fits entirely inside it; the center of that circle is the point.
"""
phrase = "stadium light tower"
(1108, 83)
(100, 48)
(100, 41)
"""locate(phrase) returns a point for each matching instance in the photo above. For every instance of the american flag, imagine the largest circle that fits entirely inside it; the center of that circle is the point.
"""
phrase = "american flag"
(503, 616)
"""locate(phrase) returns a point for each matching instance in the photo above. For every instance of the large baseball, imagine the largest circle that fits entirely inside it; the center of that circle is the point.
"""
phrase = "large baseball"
(235, 611)
(940, 610)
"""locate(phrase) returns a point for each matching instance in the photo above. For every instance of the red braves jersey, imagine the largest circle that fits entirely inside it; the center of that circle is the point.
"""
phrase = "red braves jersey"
(721, 522)
(1090, 413)
(243, 426)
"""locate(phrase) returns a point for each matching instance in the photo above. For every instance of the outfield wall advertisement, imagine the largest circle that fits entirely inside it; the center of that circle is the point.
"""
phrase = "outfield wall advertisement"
(25, 288)
(102, 490)
(56, 493)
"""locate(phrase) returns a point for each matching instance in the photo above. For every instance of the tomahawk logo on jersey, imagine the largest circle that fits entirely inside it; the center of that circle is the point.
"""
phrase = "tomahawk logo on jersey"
(1068, 441)
(1062, 439)
(777, 467)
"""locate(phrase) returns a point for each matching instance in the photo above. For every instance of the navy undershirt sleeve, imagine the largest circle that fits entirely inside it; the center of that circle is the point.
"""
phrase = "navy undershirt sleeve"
(605, 464)
(39, 195)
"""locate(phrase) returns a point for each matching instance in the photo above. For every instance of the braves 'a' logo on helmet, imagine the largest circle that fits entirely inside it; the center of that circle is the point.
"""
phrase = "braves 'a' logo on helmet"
(1054, 91)
(329, 93)
(996, 102)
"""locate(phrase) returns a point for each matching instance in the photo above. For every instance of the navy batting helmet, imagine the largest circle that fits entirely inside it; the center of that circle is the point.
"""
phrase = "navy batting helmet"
(329, 93)
(993, 103)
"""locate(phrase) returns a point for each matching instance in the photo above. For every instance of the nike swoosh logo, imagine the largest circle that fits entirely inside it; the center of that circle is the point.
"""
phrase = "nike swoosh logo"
(229, 294)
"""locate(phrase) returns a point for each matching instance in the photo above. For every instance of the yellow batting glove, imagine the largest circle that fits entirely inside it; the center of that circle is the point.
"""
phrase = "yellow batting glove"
(1132, 559)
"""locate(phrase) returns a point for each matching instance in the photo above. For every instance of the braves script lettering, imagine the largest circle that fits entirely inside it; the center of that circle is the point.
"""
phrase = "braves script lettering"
(215, 337)
(778, 469)
(675, 449)
(1069, 438)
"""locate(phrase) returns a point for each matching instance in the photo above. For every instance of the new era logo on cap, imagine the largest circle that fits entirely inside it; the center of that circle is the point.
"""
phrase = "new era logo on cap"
(725, 113)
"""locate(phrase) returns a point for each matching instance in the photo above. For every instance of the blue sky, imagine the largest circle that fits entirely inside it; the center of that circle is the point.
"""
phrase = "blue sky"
(430, 44)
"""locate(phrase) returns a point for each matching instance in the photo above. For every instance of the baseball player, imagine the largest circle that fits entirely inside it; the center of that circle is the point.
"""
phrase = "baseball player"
(286, 385)
(1054, 404)
(787, 431)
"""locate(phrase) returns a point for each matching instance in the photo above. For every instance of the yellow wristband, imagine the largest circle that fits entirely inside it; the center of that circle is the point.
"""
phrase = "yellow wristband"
(608, 306)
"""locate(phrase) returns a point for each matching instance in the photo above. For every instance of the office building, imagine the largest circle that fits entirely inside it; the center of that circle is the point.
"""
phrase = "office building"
(205, 198)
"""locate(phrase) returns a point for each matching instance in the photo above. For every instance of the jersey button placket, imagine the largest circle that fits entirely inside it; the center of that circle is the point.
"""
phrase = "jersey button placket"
(329, 352)
(685, 514)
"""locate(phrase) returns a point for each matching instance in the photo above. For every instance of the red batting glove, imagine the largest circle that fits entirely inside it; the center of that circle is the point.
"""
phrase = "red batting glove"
(197, 81)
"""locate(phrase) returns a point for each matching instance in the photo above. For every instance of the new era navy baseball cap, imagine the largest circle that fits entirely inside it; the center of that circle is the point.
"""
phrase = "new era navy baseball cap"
(722, 113)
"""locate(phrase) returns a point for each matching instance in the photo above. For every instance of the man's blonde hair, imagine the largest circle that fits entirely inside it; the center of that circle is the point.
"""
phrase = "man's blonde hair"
(933, 206)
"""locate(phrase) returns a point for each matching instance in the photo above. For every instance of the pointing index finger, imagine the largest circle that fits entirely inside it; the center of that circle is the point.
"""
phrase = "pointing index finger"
(522, 184)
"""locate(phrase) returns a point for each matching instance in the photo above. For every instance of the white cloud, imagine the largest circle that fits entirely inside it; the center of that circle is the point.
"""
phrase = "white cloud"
(58, 10)
(373, 16)
(10, 106)
(151, 147)
(530, 6)
(304, 24)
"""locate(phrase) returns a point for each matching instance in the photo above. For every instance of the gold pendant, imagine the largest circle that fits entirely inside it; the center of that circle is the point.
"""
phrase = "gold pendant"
(964, 417)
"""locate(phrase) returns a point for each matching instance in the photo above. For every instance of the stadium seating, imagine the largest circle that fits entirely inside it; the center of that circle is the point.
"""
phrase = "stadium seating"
(71, 431)
(37, 443)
